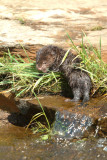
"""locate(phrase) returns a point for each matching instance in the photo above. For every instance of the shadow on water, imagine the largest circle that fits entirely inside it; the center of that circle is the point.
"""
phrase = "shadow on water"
(77, 132)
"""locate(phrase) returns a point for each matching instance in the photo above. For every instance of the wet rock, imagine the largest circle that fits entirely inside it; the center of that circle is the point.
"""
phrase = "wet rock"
(102, 126)
(7, 102)
(71, 125)
(72, 120)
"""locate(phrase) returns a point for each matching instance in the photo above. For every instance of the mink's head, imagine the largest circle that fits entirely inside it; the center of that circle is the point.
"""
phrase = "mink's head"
(45, 58)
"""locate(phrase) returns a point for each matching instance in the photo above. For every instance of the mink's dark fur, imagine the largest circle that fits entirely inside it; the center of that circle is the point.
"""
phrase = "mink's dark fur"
(50, 58)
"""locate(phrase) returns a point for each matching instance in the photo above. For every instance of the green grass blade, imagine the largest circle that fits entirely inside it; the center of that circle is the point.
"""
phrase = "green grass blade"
(22, 91)
(42, 110)
(73, 43)
(11, 57)
(65, 56)
(25, 52)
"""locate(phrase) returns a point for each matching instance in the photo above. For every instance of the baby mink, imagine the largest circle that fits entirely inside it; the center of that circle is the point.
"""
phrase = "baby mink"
(50, 57)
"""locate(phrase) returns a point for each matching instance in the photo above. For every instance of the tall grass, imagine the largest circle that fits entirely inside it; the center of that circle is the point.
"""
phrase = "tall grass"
(93, 64)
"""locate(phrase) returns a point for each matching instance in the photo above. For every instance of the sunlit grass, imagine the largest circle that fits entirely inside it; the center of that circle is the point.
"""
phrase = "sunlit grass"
(23, 78)
(93, 64)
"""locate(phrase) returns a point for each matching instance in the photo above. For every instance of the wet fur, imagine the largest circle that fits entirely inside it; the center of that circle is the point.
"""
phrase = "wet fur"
(50, 58)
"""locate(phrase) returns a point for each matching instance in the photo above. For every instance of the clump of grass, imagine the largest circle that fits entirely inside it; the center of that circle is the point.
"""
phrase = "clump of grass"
(23, 78)
(22, 21)
(97, 28)
(93, 64)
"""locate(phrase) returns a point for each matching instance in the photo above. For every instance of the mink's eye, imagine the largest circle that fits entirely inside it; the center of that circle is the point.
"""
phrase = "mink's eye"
(44, 62)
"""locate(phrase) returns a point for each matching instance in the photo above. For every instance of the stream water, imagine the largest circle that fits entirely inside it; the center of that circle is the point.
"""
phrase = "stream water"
(70, 142)
(16, 144)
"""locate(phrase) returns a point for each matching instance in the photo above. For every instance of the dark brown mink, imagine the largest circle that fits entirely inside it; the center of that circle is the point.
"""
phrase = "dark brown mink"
(50, 57)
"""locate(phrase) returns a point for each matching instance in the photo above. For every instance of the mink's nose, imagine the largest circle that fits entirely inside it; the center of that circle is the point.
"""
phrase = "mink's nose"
(41, 68)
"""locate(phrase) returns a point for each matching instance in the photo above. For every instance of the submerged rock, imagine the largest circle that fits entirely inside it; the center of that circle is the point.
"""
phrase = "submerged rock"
(71, 125)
